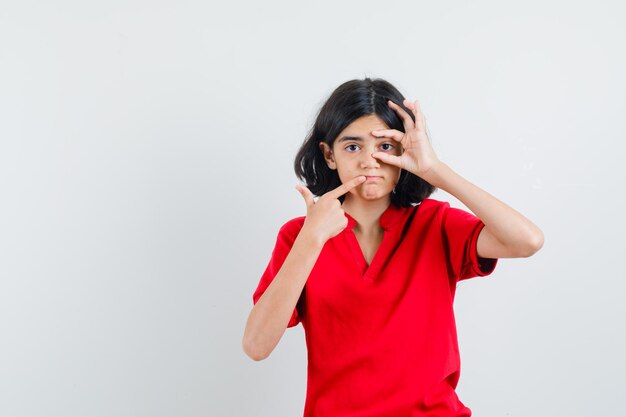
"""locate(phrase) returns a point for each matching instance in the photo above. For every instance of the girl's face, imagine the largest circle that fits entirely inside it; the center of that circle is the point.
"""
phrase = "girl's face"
(351, 156)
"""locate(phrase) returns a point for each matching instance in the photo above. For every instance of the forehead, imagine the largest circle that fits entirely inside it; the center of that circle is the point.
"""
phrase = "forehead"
(363, 126)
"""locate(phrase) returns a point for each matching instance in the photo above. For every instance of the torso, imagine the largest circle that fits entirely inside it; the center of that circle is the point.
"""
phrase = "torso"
(384, 333)
(369, 245)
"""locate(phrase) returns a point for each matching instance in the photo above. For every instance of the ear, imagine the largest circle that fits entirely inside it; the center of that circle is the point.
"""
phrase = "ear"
(328, 155)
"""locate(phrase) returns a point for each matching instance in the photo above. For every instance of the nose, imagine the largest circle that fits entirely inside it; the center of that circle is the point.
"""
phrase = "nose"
(368, 161)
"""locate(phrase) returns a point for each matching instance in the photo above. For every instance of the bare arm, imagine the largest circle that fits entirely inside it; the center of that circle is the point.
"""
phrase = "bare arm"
(270, 315)
(507, 233)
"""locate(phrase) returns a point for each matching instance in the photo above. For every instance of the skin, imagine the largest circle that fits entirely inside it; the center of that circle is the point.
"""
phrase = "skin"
(507, 233)
(269, 317)
(351, 155)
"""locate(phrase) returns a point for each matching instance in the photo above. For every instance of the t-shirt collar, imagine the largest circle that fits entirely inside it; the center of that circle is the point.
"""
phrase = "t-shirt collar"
(388, 219)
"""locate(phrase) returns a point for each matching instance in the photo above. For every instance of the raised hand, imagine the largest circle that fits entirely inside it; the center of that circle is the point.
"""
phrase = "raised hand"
(325, 218)
(418, 155)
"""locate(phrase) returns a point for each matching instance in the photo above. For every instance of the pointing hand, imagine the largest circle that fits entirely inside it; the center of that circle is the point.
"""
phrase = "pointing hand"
(325, 218)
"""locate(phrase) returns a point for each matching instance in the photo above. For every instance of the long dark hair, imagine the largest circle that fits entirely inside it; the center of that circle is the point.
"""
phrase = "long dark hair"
(349, 101)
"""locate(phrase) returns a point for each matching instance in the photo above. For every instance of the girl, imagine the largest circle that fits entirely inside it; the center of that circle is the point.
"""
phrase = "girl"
(371, 270)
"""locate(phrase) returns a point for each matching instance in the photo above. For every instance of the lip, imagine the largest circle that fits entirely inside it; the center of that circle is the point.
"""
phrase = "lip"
(372, 178)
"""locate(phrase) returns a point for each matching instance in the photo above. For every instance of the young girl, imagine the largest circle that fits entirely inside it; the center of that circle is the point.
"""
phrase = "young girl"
(371, 270)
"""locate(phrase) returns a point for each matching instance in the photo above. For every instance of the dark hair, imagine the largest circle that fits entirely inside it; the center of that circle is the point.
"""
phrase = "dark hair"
(349, 101)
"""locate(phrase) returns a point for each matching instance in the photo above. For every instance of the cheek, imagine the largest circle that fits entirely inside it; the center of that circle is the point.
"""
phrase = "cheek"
(345, 174)
(394, 174)
(345, 168)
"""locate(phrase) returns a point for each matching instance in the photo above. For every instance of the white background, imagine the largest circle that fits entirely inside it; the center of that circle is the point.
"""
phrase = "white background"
(146, 153)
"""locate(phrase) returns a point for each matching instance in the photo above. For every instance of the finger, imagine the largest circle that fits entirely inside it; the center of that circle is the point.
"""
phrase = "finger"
(406, 119)
(346, 186)
(388, 158)
(389, 133)
(307, 194)
(420, 118)
(415, 109)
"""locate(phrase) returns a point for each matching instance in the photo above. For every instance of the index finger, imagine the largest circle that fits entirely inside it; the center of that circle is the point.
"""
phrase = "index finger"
(346, 186)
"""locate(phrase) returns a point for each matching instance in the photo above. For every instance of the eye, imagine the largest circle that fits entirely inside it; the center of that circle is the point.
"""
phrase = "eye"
(386, 146)
(352, 147)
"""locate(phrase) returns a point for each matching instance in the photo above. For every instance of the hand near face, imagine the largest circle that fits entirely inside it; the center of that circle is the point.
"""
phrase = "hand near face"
(325, 218)
(418, 156)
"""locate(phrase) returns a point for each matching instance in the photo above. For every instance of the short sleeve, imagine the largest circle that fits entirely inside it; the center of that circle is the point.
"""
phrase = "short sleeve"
(460, 231)
(286, 236)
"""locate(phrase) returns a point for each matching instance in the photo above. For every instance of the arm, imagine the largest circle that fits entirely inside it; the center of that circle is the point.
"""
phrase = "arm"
(270, 315)
(507, 234)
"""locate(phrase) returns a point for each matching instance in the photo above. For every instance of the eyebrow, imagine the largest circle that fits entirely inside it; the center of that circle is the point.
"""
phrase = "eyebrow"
(355, 138)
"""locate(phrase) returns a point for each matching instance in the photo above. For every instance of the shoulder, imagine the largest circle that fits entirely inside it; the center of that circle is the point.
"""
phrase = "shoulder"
(292, 227)
(288, 233)
(432, 204)
(440, 214)
(430, 207)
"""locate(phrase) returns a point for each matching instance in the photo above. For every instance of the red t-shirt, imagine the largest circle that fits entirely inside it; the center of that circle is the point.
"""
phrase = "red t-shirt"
(381, 339)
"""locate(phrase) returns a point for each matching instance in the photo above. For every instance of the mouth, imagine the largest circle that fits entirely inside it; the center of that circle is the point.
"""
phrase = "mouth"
(372, 178)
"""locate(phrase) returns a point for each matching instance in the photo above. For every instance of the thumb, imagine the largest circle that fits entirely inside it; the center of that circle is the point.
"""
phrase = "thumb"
(388, 159)
(307, 194)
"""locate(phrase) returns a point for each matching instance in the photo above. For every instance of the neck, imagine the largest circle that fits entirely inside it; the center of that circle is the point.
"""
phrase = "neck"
(366, 213)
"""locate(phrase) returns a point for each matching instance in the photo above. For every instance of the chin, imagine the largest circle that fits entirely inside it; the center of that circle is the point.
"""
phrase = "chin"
(376, 196)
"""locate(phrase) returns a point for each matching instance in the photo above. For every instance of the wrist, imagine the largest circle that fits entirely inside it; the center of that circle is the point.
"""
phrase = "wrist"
(436, 174)
(310, 239)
